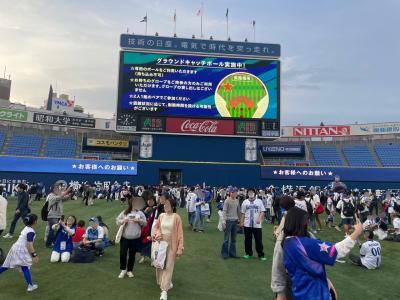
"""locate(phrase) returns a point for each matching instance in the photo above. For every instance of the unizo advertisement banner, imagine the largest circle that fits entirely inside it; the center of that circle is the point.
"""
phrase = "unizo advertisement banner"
(68, 166)
(13, 115)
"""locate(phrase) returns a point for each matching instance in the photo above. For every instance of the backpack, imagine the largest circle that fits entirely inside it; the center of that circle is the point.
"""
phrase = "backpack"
(84, 256)
(348, 209)
(396, 206)
(45, 211)
(309, 208)
(2, 257)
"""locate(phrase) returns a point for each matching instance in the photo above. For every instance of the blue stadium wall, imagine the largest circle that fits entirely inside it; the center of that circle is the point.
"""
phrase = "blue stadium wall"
(216, 161)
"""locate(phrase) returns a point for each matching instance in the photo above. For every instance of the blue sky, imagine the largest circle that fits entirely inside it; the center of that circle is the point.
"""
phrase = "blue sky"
(340, 59)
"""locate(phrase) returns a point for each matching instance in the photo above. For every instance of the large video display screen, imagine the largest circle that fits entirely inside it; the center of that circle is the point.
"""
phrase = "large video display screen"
(180, 85)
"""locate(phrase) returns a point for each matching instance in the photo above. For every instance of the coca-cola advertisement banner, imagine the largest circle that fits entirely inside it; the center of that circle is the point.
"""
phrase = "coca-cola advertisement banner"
(200, 126)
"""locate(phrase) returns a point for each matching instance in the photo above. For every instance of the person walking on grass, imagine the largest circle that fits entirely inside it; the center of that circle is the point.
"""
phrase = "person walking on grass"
(133, 220)
(253, 212)
(230, 219)
(22, 254)
(22, 209)
(168, 227)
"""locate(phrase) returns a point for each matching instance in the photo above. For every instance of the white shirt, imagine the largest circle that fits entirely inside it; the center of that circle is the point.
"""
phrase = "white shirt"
(3, 212)
(368, 224)
(301, 204)
(371, 254)
(252, 211)
(396, 225)
(316, 199)
(191, 202)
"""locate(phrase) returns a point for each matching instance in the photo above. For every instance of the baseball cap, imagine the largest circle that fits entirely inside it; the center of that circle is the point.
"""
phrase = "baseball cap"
(94, 219)
(232, 189)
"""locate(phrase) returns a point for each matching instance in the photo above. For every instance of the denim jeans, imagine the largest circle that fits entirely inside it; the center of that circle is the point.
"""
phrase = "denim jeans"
(229, 246)
(312, 222)
(198, 221)
(191, 216)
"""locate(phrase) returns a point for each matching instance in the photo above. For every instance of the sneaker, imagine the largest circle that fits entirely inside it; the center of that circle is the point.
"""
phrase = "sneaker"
(8, 236)
(208, 221)
(122, 274)
(263, 258)
(314, 231)
(130, 275)
(164, 295)
(337, 228)
(32, 287)
(340, 261)
(142, 259)
(247, 257)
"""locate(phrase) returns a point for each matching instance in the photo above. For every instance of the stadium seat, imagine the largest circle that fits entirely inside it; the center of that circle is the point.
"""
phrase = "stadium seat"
(61, 147)
(326, 156)
(2, 138)
(25, 145)
(359, 156)
(389, 154)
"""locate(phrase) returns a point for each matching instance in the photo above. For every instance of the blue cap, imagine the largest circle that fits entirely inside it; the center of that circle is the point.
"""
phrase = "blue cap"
(232, 189)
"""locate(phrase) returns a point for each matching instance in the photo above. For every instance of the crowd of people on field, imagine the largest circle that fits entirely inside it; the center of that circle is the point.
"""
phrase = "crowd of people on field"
(150, 226)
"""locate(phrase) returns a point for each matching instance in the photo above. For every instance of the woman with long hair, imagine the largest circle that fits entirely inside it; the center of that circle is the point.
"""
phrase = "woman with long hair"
(305, 257)
(168, 227)
(133, 219)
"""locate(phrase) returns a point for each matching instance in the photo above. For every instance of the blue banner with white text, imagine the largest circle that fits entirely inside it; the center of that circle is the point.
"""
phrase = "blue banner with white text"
(328, 173)
(68, 166)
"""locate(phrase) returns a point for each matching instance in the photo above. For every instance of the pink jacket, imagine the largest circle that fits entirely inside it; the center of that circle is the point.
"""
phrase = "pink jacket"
(176, 236)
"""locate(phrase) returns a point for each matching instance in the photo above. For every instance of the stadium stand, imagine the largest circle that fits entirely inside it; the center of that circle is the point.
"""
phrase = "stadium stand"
(60, 147)
(326, 156)
(25, 145)
(2, 138)
(359, 156)
(389, 154)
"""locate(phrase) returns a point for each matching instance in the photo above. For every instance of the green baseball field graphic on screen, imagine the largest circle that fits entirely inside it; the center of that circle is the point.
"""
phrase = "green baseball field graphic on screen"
(241, 95)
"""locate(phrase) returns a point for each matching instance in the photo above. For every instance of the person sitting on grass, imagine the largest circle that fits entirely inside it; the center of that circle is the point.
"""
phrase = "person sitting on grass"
(106, 240)
(370, 253)
(63, 245)
(396, 228)
(93, 238)
(79, 233)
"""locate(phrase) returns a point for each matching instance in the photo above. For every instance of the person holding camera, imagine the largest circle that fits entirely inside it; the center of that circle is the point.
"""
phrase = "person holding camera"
(63, 246)
(22, 254)
(133, 220)
(55, 200)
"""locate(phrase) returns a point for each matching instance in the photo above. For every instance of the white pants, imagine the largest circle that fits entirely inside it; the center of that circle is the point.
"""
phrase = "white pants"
(55, 257)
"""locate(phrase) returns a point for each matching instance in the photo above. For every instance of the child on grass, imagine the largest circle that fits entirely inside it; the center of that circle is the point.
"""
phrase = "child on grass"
(22, 252)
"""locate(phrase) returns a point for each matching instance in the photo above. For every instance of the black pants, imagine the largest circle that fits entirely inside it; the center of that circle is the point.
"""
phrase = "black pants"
(15, 220)
(38, 197)
(249, 232)
(128, 247)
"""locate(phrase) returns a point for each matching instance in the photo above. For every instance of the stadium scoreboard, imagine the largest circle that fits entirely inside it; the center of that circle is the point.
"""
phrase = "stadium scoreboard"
(190, 86)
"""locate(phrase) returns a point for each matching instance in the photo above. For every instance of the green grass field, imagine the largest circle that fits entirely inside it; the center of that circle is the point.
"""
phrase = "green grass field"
(199, 274)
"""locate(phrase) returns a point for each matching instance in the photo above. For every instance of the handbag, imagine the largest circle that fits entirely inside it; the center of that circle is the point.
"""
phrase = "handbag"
(320, 209)
(119, 233)
(205, 209)
(159, 254)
